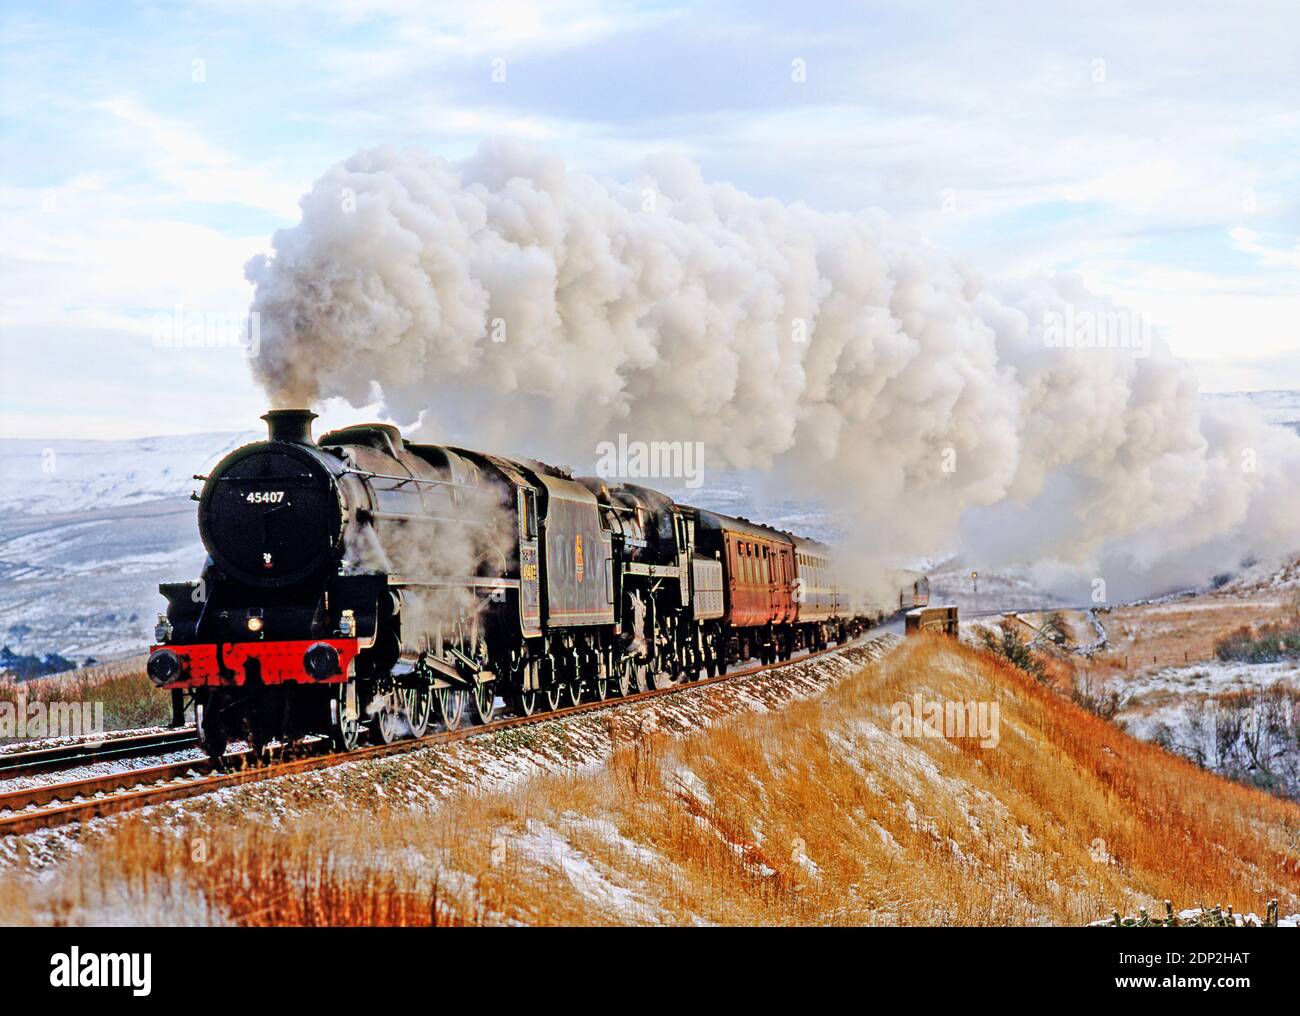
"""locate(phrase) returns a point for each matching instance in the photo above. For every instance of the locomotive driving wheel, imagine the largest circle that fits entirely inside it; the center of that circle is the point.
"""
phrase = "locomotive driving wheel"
(417, 707)
(345, 717)
(600, 678)
(482, 701)
(551, 683)
(451, 706)
(389, 722)
(523, 700)
(573, 678)
(623, 675)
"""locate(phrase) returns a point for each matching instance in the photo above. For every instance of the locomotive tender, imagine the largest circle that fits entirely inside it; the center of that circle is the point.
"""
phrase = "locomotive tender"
(368, 581)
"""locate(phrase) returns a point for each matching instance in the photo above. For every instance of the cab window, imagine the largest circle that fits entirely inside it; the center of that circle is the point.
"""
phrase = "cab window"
(528, 516)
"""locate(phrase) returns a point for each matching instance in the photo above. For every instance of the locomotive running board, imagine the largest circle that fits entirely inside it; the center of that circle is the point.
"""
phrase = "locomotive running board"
(654, 571)
(439, 582)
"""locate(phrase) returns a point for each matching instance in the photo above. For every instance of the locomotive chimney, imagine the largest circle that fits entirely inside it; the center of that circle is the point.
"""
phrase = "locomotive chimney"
(289, 425)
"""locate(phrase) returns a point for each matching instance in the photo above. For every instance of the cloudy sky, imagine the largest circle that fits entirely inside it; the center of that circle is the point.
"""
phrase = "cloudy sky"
(148, 151)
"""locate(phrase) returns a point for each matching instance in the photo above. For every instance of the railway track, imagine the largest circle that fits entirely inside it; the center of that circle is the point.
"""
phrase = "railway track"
(57, 804)
(68, 756)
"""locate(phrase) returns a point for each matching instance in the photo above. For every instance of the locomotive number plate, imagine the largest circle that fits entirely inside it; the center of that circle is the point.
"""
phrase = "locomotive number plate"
(264, 496)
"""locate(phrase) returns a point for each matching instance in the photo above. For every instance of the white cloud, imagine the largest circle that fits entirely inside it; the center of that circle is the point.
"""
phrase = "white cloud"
(1169, 183)
(191, 168)
(1248, 242)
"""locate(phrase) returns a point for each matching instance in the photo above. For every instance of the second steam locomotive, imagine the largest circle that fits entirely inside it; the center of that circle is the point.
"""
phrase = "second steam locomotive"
(363, 581)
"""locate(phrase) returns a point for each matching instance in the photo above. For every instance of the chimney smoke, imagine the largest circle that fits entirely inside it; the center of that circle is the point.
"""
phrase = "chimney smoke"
(509, 301)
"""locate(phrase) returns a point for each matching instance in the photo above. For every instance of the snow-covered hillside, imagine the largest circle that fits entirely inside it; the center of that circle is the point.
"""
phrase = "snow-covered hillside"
(56, 477)
(1001, 589)
(87, 531)
(1270, 576)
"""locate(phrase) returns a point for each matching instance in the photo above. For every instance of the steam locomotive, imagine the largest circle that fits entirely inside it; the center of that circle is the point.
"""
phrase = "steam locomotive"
(363, 582)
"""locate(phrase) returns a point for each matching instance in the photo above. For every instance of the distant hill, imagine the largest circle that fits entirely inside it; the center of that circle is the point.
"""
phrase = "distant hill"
(87, 531)
(61, 476)
(1281, 407)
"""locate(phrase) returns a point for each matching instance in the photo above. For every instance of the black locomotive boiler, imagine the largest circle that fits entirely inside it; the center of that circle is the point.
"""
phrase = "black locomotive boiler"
(365, 582)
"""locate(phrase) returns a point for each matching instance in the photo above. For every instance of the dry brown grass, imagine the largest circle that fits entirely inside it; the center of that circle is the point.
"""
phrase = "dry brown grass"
(813, 814)
(129, 697)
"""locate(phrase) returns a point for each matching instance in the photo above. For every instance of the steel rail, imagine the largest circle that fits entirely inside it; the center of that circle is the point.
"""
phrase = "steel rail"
(68, 756)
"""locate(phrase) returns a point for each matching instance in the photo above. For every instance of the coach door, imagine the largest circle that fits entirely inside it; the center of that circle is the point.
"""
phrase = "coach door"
(530, 603)
(770, 566)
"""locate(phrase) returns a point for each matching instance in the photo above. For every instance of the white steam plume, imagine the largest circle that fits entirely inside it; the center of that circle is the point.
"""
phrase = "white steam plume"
(836, 348)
